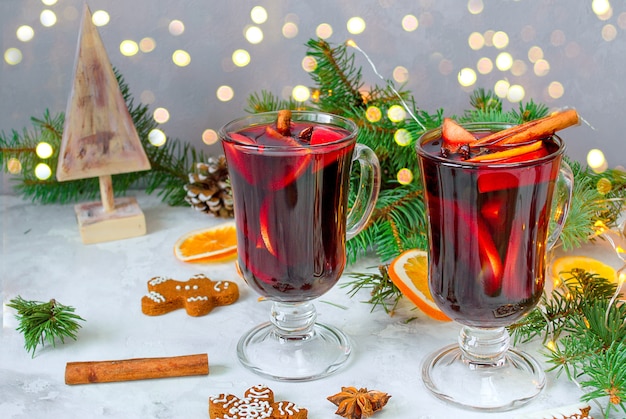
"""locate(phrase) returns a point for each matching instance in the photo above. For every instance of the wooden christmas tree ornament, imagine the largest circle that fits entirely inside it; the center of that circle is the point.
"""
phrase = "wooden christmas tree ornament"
(100, 140)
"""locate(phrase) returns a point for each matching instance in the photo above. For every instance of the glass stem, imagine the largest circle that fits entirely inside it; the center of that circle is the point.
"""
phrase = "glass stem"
(293, 321)
(484, 347)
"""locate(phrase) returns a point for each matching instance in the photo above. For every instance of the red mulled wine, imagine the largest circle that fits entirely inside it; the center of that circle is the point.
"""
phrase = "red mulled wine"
(488, 231)
(290, 193)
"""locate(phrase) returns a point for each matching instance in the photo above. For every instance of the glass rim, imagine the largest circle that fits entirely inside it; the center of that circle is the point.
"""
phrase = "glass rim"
(434, 133)
(263, 118)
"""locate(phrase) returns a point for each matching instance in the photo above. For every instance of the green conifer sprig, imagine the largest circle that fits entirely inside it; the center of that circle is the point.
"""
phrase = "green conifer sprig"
(585, 329)
(42, 322)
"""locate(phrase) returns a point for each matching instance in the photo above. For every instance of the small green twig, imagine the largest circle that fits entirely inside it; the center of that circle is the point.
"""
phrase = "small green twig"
(42, 322)
(383, 292)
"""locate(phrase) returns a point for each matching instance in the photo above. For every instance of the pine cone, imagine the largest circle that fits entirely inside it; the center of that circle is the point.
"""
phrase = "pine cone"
(209, 189)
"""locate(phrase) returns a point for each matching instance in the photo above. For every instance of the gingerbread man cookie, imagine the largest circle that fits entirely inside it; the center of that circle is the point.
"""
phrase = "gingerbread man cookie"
(199, 295)
(258, 402)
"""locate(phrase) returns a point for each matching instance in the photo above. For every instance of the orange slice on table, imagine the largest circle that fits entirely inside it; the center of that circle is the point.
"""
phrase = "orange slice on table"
(409, 272)
(565, 264)
(212, 244)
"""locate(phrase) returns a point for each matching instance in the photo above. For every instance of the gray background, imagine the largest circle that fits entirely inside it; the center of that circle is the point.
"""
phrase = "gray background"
(589, 67)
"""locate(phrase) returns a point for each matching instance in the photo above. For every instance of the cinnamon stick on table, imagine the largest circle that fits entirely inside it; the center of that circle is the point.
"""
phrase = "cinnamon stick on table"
(530, 131)
(135, 369)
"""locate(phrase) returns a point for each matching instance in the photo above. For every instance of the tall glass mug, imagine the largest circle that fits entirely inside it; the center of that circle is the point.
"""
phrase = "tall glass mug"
(290, 194)
(490, 226)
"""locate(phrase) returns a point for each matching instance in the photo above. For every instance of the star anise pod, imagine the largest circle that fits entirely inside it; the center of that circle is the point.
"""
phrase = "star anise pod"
(356, 404)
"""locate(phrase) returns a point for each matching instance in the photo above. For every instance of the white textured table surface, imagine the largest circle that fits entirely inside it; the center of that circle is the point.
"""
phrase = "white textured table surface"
(42, 257)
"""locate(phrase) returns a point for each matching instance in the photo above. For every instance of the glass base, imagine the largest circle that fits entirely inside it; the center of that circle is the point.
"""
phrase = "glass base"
(510, 382)
(280, 351)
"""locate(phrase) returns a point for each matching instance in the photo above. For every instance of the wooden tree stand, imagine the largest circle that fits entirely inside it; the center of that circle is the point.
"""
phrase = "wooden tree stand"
(109, 219)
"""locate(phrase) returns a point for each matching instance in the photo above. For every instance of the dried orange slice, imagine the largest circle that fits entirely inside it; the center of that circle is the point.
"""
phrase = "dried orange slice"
(588, 264)
(211, 244)
(409, 272)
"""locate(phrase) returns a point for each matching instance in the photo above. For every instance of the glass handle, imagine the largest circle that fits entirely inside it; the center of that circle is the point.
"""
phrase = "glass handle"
(564, 188)
(369, 186)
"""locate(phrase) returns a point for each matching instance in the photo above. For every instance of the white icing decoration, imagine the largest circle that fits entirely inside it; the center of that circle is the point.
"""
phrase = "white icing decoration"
(187, 288)
(156, 297)
(158, 280)
(178, 287)
(195, 287)
(216, 287)
(199, 298)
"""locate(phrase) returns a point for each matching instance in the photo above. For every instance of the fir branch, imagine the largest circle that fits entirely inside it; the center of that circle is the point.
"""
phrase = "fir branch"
(266, 101)
(42, 323)
(383, 292)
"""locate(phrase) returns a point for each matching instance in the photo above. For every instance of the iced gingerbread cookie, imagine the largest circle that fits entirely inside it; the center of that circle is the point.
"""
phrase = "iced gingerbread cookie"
(198, 296)
(258, 402)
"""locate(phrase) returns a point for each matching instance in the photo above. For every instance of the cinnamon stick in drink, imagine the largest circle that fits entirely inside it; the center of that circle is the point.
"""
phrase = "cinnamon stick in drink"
(530, 131)
(135, 369)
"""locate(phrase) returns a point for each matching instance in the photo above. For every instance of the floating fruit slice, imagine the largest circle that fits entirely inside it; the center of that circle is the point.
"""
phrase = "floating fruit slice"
(454, 135)
(211, 244)
(289, 169)
(267, 240)
(565, 264)
(500, 156)
(325, 135)
(409, 272)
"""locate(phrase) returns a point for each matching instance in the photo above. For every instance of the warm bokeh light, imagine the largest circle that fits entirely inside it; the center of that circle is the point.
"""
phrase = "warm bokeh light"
(396, 113)
(48, 18)
(100, 18)
(13, 56)
(14, 166)
(225, 93)
(241, 58)
(157, 137)
(557, 38)
(300, 93)
(518, 68)
(500, 40)
(600, 7)
(516, 93)
(400, 74)
(290, 30)
(467, 77)
(129, 48)
(43, 171)
(445, 67)
(609, 32)
(324, 31)
(404, 176)
(475, 6)
(476, 41)
(161, 115)
(176, 27)
(541, 68)
(147, 45)
(147, 97)
(355, 25)
(49, 2)
(209, 137)
(44, 150)
(402, 137)
(410, 23)
(504, 61)
(484, 65)
(258, 14)
(501, 88)
(535, 53)
(25, 33)
(309, 63)
(596, 160)
(373, 114)
(253, 34)
(181, 58)
(556, 90)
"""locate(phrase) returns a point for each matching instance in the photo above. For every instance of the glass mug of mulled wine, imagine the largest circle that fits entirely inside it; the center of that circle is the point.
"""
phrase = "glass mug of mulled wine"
(290, 176)
(491, 223)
